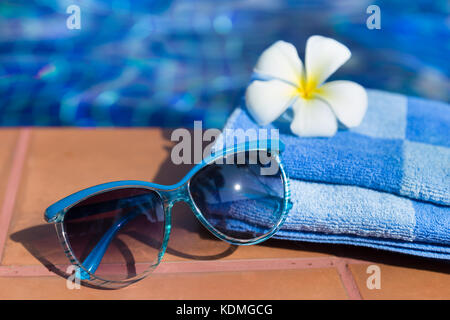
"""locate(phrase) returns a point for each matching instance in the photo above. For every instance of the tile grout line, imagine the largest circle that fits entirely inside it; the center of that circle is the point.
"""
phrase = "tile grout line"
(245, 265)
(12, 186)
(347, 279)
(195, 266)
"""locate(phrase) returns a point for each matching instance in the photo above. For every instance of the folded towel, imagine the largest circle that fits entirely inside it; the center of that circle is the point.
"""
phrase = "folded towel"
(384, 184)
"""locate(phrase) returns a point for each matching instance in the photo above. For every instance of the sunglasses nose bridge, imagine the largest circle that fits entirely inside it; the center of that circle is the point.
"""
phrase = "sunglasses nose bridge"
(176, 195)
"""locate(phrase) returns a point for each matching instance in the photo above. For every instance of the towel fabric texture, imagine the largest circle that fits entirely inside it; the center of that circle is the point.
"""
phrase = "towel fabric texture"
(384, 184)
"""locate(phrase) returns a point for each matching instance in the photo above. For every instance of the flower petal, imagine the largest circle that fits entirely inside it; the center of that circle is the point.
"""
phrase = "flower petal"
(313, 118)
(267, 100)
(347, 99)
(281, 61)
(322, 58)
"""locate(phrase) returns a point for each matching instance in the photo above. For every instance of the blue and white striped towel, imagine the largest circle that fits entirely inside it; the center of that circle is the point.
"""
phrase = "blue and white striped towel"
(384, 184)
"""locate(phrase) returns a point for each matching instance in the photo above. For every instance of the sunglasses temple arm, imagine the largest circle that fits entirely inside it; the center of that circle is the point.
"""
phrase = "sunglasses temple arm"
(93, 260)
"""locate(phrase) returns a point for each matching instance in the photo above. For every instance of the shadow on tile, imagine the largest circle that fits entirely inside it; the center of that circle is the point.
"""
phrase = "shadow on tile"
(42, 242)
(186, 242)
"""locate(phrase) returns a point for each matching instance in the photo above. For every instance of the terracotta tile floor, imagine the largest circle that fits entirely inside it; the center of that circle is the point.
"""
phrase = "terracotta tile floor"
(39, 166)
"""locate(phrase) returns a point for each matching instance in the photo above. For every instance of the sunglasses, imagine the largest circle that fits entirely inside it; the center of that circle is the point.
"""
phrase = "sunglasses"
(116, 233)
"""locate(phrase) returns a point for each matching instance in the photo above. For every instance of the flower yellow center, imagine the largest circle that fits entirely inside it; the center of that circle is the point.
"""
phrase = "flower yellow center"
(307, 88)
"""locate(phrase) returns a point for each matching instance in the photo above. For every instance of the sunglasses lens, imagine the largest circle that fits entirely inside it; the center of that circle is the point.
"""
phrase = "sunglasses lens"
(118, 234)
(243, 200)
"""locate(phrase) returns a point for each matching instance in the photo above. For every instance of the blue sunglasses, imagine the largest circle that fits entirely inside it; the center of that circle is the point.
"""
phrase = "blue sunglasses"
(116, 233)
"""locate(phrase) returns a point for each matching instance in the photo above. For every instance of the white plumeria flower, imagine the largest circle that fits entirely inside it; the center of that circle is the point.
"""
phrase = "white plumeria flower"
(315, 104)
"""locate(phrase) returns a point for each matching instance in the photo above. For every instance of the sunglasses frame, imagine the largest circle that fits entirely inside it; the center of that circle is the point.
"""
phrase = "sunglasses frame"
(169, 196)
